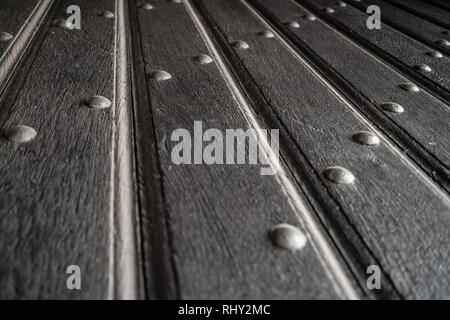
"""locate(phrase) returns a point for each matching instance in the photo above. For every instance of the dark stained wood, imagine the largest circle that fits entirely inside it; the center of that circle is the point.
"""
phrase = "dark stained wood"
(321, 126)
(55, 191)
(410, 24)
(216, 217)
(390, 45)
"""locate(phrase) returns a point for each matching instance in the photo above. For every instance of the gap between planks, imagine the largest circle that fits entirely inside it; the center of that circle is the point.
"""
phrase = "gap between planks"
(409, 162)
(317, 238)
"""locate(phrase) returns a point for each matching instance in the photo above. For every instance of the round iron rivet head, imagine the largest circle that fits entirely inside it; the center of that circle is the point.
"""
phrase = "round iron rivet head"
(367, 138)
(434, 54)
(146, 6)
(106, 14)
(160, 75)
(411, 87)
(266, 34)
(287, 237)
(239, 44)
(329, 10)
(5, 36)
(98, 102)
(175, 1)
(339, 175)
(422, 67)
(202, 59)
(20, 134)
(443, 43)
(392, 107)
(292, 24)
(63, 23)
(341, 4)
(310, 17)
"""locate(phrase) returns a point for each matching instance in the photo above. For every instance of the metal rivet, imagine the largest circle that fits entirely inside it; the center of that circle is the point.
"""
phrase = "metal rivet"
(287, 237)
(443, 42)
(160, 75)
(434, 54)
(240, 44)
(409, 87)
(20, 134)
(106, 14)
(292, 24)
(98, 102)
(329, 10)
(5, 36)
(175, 1)
(422, 67)
(342, 4)
(339, 175)
(266, 34)
(63, 23)
(366, 138)
(310, 17)
(393, 107)
(202, 59)
(146, 6)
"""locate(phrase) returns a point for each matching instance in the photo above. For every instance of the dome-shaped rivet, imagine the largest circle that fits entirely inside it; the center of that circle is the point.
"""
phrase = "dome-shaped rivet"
(175, 1)
(98, 102)
(409, 87)
(239, 44)
(392, 107)
(160, 75)
(106, 14)
(202, 59)
(20, 134)
(366, 138)
(341, 4)
(434, 54)
(146, 6)
(292, 24)
(63, 23)
(5, 36)
(422, 67)
(339, 175)
(266, 34)
(443, 42)
(310, 17)
(287, 237)
(329, 10)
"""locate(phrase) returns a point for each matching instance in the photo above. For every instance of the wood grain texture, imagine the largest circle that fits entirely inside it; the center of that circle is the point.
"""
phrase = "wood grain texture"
(425, 10)
(320, 126)
(55, 191)
(408, 23)
(389, 45)
(443, 4)
(216, 217)
(369, 83)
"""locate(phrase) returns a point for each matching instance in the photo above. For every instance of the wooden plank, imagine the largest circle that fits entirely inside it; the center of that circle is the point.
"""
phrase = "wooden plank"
(319, 123)
(216, 217)
(416, 131)
(13, 15)
(410, 24)
(391, 46)
(55, 199)
(443, 4)
(425, 10)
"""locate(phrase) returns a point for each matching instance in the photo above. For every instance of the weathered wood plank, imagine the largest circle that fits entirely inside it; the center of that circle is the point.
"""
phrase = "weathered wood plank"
(425, 10)
(393, 47)
(55, 199)
(410, 24)
(421, 130)
(443, 4)
(216, 217)
(320, 125)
